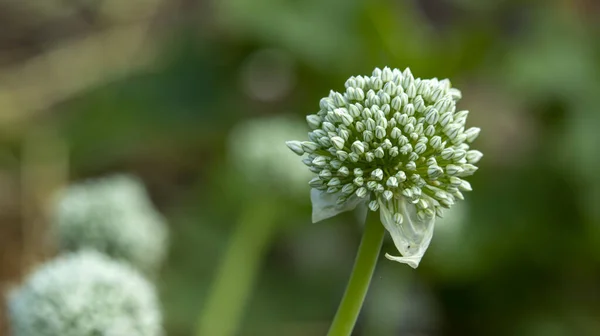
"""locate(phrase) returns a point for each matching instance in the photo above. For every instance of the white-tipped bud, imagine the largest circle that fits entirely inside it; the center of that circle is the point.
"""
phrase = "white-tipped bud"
(309, 146)
(348, 189)
(346, 119)
(401, 176)
(360, 127)
(334, 182)
(353, 157)
(380, 132)
(328, 127)
(371, 185)
(396, 133)
(408, 110)
(335, 164)
(374, 205)
(319, 161)
(411, 165)
(392, 182)
(447, 153)
(455, 181)
(332, 190)
(406, 149)
(458, 155)
(295, 146)
(398, 218)
(394, 151)
(396, 103)
(325, 174)
(315, 182)
(445, 119)
(370, 124)
(436, 142)
(342, 155)
(473, 156)
(377, 85)
(434, 171)
(388, 195)
(432, 116)
(368, 136)
(344, 171)
(339, 100)
(386, 144)
(377, 174)
(338, 142)
(314, 121)
(402, 140)
(359, 94)
(472, 134)
(468, 170)
(411, 90)
(465, 186)
(358, 172)
(407, 193)
(358, 181)
(386, 74)
(369, 156)
(379, 153)
(354, 111)
(429, 131)
(453, 170)
(390, 88)
(420, 148)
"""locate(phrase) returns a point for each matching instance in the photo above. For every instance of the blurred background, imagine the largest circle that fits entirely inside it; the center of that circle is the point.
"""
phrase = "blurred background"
(155, 87)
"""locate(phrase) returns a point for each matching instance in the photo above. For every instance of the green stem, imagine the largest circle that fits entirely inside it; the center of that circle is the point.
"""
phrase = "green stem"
(235, 278)
(364, 265)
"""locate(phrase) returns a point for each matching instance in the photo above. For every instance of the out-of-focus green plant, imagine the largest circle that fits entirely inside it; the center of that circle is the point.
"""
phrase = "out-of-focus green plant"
(259, 156)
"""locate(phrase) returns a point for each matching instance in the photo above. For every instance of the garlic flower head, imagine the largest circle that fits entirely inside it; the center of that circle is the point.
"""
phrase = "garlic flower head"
(396, 143)
(85, 294)
(113, 215)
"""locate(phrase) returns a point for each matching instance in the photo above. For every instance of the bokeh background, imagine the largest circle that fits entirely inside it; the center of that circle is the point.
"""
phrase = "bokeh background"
(154, 87)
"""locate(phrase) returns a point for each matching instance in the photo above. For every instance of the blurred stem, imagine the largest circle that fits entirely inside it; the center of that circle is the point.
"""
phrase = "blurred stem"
(237, 273)
(358, 285)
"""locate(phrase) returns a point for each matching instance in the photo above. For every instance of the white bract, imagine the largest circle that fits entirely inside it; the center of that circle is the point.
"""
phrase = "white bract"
(85, 294)
(396, 144)
(115, 216)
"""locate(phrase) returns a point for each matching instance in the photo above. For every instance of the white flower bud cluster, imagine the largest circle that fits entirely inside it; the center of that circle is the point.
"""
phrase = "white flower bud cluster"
(85, 294)
(115, 216)
(392, 136)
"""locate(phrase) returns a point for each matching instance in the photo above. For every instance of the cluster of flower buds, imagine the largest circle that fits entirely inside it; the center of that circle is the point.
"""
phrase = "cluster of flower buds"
(85, 294)
(391, 136)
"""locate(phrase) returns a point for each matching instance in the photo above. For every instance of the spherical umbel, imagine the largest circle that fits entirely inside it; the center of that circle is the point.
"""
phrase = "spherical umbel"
(402, 135)
(85, 294)
(115, 216)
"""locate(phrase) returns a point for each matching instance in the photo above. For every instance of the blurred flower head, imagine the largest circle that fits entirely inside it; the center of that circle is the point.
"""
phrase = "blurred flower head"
(115, 216)
(396, 143)
(258, 154)
(85, 294)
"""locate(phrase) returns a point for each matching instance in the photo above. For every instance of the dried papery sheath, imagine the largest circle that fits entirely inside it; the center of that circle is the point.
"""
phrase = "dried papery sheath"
(405, 149)
(115, 216)
(85, 294)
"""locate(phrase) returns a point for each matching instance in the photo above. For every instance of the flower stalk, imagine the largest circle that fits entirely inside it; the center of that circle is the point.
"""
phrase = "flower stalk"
(362, 272)
(238, 271)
